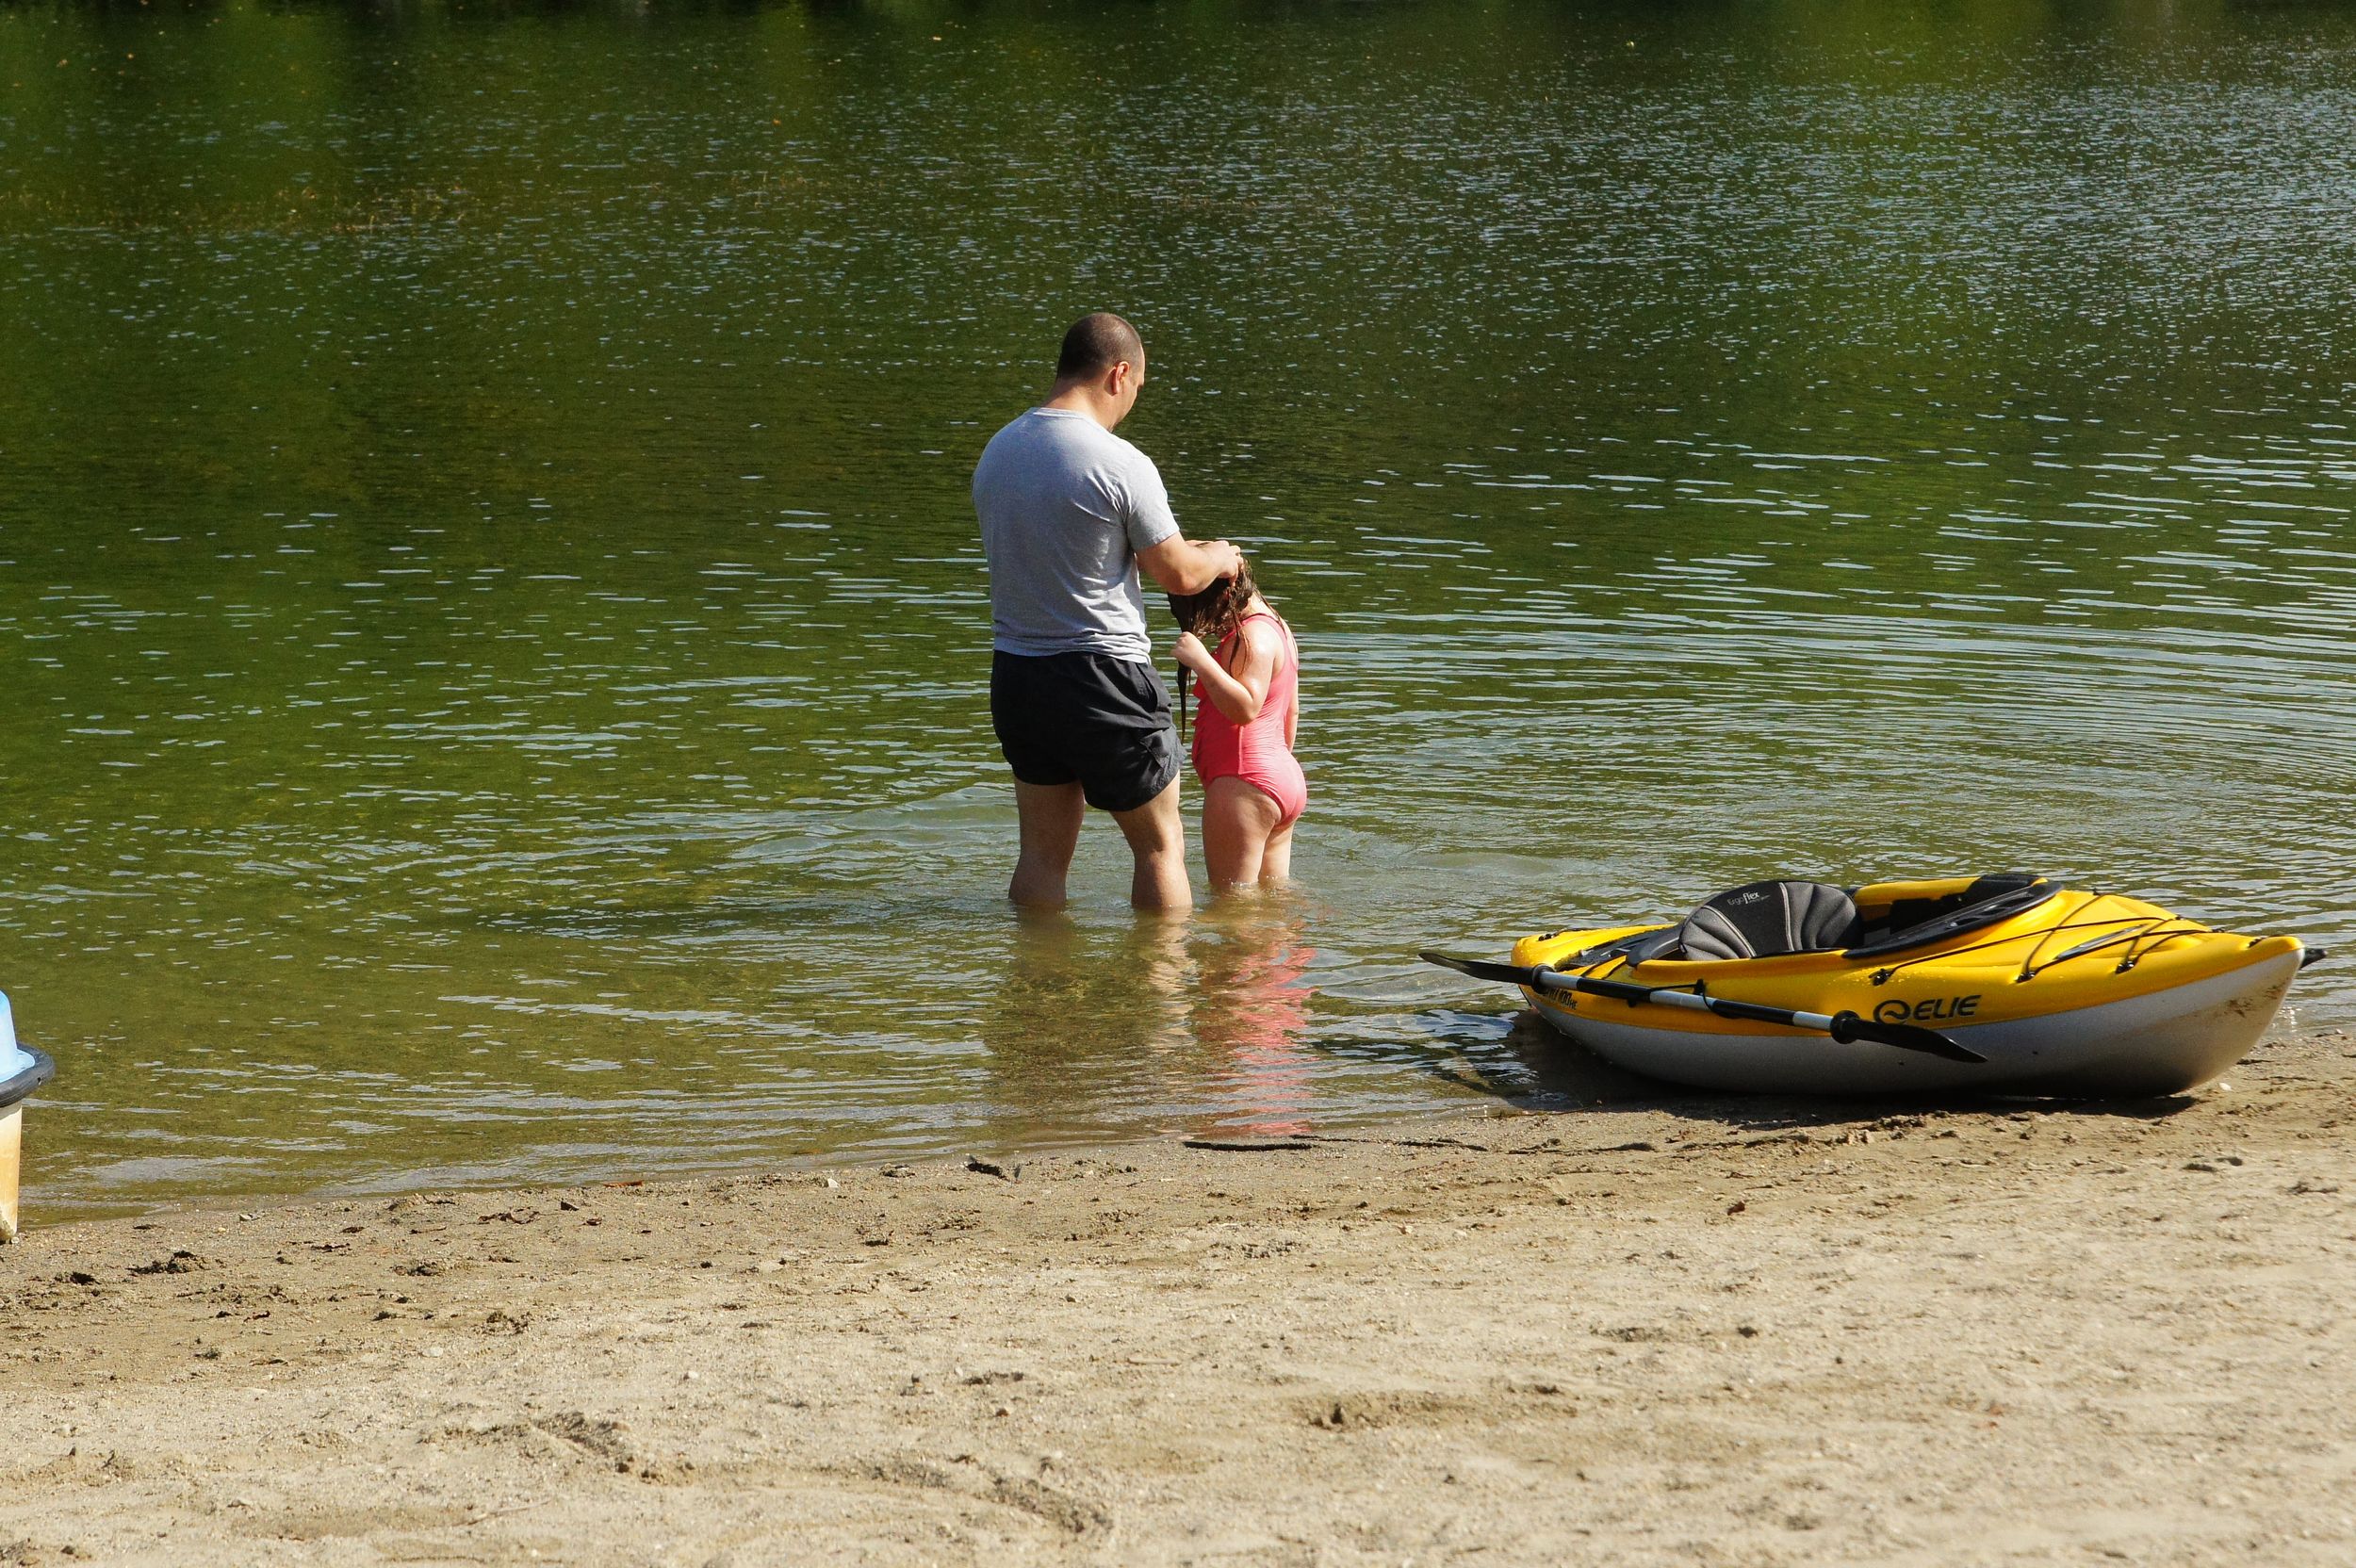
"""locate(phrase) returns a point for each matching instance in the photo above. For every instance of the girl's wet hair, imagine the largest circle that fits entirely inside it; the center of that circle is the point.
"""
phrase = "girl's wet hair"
(1217, 610)
(1211, 616)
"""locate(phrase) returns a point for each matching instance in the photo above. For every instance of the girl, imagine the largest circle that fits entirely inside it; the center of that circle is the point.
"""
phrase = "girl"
(1252, 788)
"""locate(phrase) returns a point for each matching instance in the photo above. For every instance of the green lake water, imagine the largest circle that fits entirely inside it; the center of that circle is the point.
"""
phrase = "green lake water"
(496, 641)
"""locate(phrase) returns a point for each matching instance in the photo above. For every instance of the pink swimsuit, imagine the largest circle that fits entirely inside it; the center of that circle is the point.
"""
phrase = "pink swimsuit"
(1257, 752)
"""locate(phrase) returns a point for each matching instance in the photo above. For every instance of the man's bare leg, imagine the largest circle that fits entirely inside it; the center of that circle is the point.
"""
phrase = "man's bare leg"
(1050, 816)
(1157, 837)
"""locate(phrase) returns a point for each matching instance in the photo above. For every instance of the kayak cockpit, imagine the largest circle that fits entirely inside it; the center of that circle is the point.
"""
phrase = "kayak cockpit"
(1779, 918)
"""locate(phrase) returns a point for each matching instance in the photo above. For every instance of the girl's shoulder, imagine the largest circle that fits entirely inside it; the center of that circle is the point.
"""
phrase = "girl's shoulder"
(1262, 633)
(1261, 629)
(1270, 622)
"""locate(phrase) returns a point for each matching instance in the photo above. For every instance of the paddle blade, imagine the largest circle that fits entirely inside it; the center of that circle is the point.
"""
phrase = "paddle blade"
(1906, 1037)
(1480, 969)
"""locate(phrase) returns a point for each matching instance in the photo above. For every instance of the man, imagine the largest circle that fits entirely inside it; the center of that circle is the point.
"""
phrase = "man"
(1070, 512)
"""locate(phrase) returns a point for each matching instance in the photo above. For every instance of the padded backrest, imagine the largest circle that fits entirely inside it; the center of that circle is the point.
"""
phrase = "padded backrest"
(1760, 920)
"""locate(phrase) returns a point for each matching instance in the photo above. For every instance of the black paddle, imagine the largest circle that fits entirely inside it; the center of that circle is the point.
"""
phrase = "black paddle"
(1842, 1026)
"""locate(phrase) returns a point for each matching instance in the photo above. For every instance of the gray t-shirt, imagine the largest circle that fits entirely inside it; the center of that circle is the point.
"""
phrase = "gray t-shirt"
(1065, 506)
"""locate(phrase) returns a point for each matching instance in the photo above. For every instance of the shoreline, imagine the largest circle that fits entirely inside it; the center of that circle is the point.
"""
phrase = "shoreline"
(1670, 1331)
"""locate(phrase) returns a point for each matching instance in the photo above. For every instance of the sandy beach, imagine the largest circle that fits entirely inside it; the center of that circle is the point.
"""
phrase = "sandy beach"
(1676, 1330)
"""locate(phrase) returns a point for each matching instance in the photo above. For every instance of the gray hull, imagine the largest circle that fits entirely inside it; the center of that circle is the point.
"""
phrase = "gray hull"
(2163, 1043)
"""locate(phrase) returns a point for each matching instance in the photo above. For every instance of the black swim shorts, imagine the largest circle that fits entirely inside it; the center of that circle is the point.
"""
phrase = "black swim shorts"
(1088, 718)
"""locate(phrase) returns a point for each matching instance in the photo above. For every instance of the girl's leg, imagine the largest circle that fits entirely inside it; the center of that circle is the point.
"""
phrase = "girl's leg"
(1276, 859)
(1236, 822)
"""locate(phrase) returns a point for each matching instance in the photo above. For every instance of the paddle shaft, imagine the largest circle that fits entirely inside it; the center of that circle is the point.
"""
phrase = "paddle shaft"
(1693, 1002)
(1840, 1027)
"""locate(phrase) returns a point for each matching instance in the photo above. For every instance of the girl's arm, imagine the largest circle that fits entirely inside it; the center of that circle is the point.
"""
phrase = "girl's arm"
(1238, 692)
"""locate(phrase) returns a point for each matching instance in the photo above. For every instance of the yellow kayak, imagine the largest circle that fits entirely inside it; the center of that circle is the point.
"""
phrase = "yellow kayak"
(2056, 990)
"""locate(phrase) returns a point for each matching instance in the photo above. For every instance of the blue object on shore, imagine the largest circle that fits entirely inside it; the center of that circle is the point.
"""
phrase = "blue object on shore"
(22, 1072)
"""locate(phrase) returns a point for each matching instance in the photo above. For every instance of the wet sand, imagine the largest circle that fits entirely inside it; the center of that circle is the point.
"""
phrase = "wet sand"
(1666, 1330)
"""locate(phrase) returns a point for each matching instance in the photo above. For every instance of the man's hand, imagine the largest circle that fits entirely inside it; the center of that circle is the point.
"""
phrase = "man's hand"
(1181, 566)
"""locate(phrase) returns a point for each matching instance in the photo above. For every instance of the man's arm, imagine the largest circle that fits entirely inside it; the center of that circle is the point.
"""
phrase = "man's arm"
(1182, 566)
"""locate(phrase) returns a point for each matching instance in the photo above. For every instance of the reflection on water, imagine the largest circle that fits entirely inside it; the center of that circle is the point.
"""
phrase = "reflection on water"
(497, 643)
(1251, 1015)
(1205, 1018)
(1107, 1007)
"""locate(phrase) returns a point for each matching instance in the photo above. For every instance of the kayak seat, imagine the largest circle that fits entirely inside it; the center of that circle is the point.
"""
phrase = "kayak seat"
(1763, 919)
(1918, 922)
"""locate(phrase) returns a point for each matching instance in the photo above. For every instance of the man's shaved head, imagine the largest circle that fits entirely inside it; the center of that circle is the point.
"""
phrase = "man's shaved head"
(1095, 344)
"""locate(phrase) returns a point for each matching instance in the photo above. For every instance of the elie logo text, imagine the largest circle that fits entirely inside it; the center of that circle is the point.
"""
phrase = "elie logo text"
(1929, 1010)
